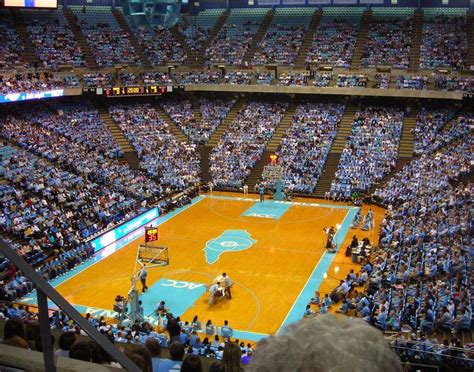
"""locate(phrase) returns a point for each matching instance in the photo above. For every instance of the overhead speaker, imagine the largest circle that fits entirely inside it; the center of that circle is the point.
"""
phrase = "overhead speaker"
(164, 13)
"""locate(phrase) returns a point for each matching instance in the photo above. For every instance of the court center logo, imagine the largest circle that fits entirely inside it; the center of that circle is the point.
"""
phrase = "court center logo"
(228, 241)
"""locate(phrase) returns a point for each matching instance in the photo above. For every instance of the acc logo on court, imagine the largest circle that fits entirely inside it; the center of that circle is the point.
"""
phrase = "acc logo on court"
(229, 241)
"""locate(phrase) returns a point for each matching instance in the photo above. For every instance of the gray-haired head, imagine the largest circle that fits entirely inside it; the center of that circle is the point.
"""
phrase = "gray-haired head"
(326, 343)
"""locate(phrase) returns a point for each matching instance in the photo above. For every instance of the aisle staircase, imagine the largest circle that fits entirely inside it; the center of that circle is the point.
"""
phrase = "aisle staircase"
(407, 139)
(28, 54)
(405, 150)
(204, 152)
(361, 39)
(271, 147)
(194, 59)
(280, 131)
(129, 154)
(308, 39)
(258, 37)
(330, 168)
(172, 126)
(140, 52)
(470, 39)
(214, 138)
(196, 107)
(256, 173)
(215, 30)
(416, 37)
(80, 39)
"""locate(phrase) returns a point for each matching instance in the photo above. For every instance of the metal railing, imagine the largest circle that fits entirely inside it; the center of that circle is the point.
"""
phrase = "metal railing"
(44, 292)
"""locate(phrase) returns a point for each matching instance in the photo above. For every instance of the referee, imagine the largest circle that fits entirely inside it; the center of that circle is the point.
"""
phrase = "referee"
(227, 285)
(143, 275)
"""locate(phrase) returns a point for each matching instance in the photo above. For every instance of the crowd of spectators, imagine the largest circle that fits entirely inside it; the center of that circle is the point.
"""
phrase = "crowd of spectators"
(65, 207)
(306, 144)
(370, 152)
(11, 48)
(352, 81)
(174, 164)
(231, 43)
(413, 82)
(418, 279)
(322, 79)
(127, 78)
(55, 44)
(213, 113)
(52, 211)
(442, 132)
(81, 123)
(110, 45)
(31, 130)
(180, 110)
(428, 173)
(444, 43)
(333, 43)
(36, 82)
(429, 124)
(238, 77)
(382, 80)
(160, 46)
(207, 77)
(156, 77)
(456, 129)
(142, 342)
(98, 79)
(242, 145)
(280, 45)
(452, 83)
(292, 78)
(425, 278)
(447, 353)
(388, 43)
(264, 78)
(195, 36)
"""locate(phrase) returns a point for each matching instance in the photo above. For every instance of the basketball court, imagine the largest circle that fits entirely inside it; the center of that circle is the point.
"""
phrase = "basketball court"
(274, 252)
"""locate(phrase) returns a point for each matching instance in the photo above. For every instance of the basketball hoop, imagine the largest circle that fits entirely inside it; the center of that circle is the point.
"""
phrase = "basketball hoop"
(273, 172)
(149, 255)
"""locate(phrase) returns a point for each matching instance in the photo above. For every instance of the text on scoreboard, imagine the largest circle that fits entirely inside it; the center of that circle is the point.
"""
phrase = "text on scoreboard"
(137, 91)
(151, 234)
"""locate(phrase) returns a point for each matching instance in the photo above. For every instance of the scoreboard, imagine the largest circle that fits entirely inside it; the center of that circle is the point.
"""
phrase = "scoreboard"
(137, 91)
(151, 234)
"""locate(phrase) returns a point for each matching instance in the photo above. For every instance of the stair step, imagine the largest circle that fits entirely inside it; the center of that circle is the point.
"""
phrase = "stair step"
(130, 156)
(361, 39)
(414, 56)
(308, 39)
(173, 127)
(80, 39)
(212, 35)
(214, 138)
(140, 52)
(258, 37)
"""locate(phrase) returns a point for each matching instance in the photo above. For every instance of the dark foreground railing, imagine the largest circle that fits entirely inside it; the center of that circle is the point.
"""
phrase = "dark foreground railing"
(44, 292)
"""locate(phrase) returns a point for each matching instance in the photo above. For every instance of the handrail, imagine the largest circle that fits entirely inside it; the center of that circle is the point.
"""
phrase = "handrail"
(432, 353)
(45, 291)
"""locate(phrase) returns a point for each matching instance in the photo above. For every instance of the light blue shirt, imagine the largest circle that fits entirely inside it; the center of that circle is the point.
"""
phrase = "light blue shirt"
(227, 332)
(167, 365)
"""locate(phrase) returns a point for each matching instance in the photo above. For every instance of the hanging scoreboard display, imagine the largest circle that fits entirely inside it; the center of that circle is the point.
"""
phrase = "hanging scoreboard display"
(151, 234)
(136, 91)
